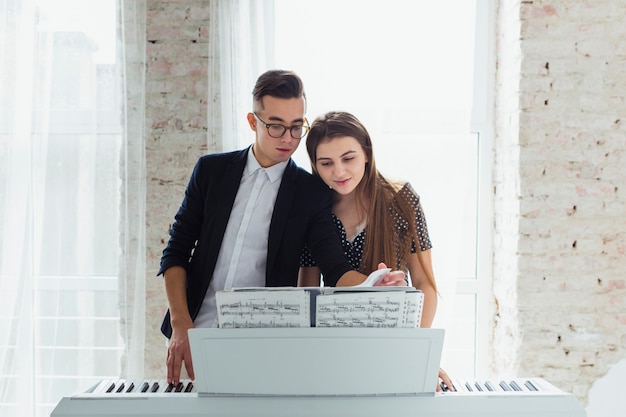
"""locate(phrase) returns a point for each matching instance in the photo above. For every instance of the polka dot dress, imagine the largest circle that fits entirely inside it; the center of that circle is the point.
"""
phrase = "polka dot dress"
(408, 193)
(354, 249)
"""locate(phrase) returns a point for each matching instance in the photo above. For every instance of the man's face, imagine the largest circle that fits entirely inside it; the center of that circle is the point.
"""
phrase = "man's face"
(287, 112)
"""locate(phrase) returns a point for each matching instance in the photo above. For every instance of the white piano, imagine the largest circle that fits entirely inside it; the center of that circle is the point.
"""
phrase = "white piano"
(516, 398)
(262, 372)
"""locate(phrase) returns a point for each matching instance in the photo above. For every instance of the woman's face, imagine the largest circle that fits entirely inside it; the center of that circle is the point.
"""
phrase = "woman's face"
(341, 163)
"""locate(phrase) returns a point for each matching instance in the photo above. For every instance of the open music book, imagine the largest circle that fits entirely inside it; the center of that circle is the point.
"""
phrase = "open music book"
(319, 307)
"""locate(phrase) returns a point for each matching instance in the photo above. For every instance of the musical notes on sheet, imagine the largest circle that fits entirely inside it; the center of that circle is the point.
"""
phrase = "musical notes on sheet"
(246, 309)
(249, 324)
(368, 309)
(260, 307)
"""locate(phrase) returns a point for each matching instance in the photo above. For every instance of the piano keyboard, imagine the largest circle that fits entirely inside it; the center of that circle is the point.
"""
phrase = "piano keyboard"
(113, 387)
(519, 397)
(504, 386)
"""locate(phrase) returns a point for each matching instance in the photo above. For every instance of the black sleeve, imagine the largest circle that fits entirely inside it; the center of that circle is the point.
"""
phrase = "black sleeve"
(323, 241)
(187, 225)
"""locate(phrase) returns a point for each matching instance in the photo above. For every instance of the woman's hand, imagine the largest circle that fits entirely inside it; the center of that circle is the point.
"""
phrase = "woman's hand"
(392, 279)
(445, 383)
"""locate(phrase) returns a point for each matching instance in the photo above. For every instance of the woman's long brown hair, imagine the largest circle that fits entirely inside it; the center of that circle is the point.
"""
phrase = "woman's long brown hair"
(383, 241)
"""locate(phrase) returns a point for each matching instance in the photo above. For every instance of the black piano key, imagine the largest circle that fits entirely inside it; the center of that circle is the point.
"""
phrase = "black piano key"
(179, 387)
(169, 388)
(504, 386)
(120, 388)
(130, 387)
(144, 387)
(530, 386)
(514, 385)
(478, 387)
(155, 387)
(189, 387)
(111, 388)
(469, 387)
(489, 386)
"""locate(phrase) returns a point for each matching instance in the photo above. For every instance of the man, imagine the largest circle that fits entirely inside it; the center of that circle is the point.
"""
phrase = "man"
(245, 219)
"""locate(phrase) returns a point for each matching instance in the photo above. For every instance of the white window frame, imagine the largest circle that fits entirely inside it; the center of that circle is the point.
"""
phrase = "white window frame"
(483, 124)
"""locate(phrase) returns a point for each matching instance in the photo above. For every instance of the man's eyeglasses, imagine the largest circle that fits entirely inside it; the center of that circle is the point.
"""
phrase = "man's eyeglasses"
(277, 131)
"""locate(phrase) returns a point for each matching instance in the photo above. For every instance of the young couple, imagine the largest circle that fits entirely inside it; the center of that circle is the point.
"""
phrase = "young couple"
(252, 217)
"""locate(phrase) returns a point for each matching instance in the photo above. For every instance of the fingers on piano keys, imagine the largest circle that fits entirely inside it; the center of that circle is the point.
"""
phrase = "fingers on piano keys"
(146, 386)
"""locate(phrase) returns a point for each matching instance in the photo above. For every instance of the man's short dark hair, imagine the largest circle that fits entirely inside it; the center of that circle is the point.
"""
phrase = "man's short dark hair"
(278, 83)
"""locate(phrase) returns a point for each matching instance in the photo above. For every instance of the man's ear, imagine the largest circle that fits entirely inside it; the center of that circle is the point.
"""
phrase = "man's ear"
(252, 121)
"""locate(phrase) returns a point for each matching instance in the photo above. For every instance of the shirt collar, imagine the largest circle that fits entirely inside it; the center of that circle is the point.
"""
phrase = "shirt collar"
(274, 173)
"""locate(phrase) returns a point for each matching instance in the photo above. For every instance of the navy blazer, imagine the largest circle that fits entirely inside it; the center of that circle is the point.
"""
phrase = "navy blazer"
(301, 218)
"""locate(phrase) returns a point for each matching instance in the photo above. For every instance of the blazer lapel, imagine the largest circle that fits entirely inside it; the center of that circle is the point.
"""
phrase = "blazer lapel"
(226, 197)
(284, 199)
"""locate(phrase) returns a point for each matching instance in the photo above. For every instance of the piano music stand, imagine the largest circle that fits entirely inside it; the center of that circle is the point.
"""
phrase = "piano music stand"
(316, 361)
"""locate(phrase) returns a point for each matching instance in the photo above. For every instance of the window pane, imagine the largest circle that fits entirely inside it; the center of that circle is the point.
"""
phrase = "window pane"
(443, 170)
(460, 343)
(406, 70)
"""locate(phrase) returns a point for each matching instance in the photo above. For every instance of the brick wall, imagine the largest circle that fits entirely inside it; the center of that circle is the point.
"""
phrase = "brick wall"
(560, 207)
(506, 189)
(176, 136)
(559, 191)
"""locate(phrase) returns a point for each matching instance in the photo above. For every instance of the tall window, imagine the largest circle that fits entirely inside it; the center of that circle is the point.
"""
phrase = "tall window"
(60, 146)
(407, 70)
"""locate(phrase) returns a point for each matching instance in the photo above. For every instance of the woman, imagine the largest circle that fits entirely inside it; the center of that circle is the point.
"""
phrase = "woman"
(379, 220)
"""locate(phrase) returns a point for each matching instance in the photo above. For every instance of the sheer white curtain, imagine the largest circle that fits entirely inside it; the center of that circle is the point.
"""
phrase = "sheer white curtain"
(71, 197)
(240, 49)
(132, 268)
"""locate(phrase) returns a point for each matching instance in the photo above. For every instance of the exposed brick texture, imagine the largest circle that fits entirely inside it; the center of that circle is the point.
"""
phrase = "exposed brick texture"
(176, 136)
(560, 203)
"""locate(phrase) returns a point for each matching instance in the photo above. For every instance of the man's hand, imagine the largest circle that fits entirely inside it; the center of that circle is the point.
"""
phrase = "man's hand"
(392, 279)
(178, 352)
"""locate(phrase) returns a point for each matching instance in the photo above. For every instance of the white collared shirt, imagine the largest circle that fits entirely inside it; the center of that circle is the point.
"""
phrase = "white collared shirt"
(243, 256)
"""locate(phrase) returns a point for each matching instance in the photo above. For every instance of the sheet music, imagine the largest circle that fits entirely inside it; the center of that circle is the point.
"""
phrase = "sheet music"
(322, 307)
(368, 309)
(414, 304)
(374, 278)
(247, 309)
